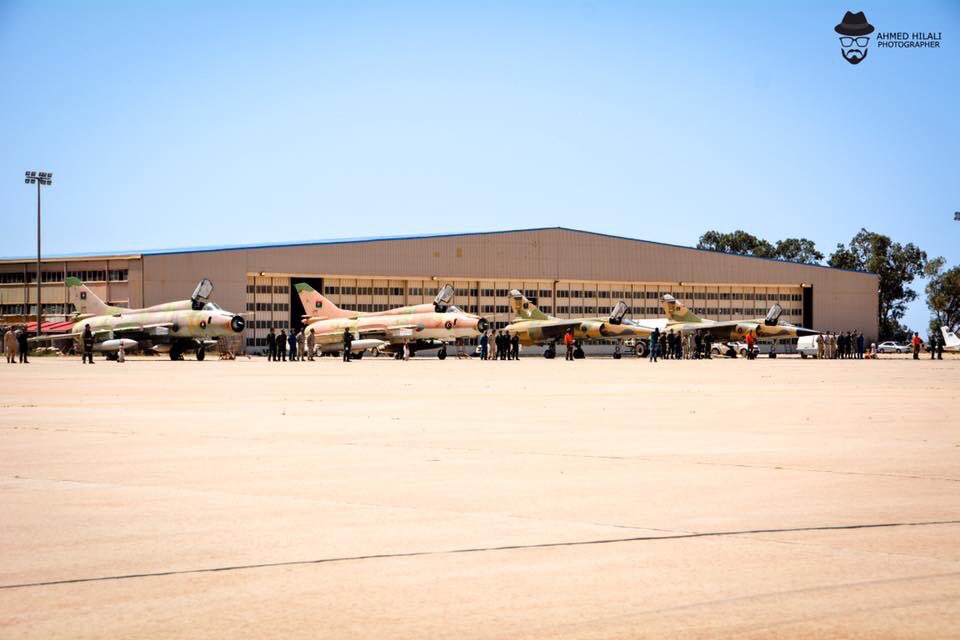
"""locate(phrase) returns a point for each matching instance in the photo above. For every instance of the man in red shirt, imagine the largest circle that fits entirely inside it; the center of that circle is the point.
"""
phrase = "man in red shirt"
(750, 345)
(568, 341)
(916, 346)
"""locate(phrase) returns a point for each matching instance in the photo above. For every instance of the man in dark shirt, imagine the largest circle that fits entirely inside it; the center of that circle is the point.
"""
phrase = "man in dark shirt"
(347, 344)
(271, 345)
(281, 347)
(22, 346)
(87, 345)
(515, 346)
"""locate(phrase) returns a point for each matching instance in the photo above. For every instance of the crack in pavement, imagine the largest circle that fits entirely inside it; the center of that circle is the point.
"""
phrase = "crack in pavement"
(513, 547)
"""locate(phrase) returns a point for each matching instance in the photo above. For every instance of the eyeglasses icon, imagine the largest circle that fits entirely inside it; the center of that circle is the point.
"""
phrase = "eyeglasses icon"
(861, 42)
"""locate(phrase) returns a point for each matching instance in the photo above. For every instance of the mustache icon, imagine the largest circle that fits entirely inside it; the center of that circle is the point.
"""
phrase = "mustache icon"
(854, 56)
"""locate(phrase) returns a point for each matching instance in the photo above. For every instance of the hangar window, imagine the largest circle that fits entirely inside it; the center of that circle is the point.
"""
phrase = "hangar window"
(737, 296)
(546, 308)
(712, 295)
(11, 278)
(576, 309)
(738, 311)
(117, 275)
(501, 293)
(487, 293)
(503, 309)
(590, 310)
(545, 293)
(576, 293)
(251, 306)
(487, 308)
(652, 311)
(603, 294)
(250, 288)
(281, 289)
(563, 310)
(784, 297)
(796, 297)
(563, 293)
(724, 311)
(652, 295)
(463, 293)
(725, 296)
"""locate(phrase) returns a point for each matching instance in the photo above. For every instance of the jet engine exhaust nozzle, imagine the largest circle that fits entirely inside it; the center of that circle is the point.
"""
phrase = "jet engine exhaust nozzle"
(482, 325)
(237, 323)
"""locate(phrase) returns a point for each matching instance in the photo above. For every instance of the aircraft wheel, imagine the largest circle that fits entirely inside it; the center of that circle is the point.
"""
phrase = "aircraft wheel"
(743, 353)
(201, 354)
(641, 349)
(550, 354)
(803, 356)
(111, 356)
(616, 355)
(356, 356)
(175, 352)
(442, 354)
(578, 354)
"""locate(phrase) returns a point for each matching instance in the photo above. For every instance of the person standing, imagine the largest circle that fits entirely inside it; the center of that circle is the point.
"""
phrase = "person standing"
(941, 343)
(121, 354)
(271, 345)
(87, 341)
(697, 345)
(10, 346)
(819, 346)
(301, 345)
(654, 344)
(859, 345)
(406, 351)
(348, 345)
(504, 347)
(494, 343)
(483, 346)
(568, 343)
(281, 347)
(292, 341)
(833, 346)
(692, 347)
(23, 346)
(515, 346)
(932, 345)
(750, 343)
(670, 344)
(916, 345)
(708, 346)
(311, 343)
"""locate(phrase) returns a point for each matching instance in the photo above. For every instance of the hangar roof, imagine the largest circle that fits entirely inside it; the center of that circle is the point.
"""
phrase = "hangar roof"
(304, 243)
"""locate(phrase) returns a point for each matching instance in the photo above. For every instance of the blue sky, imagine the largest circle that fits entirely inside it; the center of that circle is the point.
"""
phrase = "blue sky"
(181, 124)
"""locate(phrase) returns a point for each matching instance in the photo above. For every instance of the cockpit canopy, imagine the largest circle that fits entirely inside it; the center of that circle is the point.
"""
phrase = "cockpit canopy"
(619, 311)
(444, 298)
(773, 316)
(201, 294)
(212, 306)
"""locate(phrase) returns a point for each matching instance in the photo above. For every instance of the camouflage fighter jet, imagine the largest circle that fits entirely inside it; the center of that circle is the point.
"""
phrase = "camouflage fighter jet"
(680, 319)
(419, 331)
(535, 327)
(176, 327)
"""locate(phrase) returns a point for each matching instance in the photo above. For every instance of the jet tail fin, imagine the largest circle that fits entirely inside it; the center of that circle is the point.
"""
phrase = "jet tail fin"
(950, 339)
(86, 301)
(676, 311)
(316, 305)
(523, 309)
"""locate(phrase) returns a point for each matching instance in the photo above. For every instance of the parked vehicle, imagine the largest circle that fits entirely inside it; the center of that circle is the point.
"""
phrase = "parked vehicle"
(892, 347)
(807, 346)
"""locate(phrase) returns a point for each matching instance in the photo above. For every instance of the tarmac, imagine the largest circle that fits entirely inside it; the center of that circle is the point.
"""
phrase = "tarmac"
(461, 499)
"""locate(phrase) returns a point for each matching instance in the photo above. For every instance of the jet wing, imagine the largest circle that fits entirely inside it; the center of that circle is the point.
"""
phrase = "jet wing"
(549, 329)
(372, 332)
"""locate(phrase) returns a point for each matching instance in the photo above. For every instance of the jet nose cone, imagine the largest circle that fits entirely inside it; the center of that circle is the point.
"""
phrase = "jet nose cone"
(237, 323)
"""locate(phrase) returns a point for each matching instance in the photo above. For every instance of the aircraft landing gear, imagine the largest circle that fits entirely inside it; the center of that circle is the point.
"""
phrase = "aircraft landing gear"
(176, 352)
(201, 353)
(578, 354)
(442, 354)
(550, 352)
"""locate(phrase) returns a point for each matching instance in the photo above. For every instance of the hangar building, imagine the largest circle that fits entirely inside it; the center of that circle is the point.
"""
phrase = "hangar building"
(567, 272)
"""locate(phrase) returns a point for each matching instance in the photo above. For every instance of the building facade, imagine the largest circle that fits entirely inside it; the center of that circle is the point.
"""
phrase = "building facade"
(568, 273)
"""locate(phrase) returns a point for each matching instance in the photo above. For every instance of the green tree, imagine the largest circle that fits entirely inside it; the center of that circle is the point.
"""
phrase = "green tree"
(943, 296)
(897, 266)
(741, 243)
(798, 250)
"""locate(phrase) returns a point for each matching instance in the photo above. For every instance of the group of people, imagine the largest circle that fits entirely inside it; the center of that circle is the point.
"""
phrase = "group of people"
(501, 346)
(299, 344)
(15, 345)
(840, 346)
(935, 345)
(671, 345)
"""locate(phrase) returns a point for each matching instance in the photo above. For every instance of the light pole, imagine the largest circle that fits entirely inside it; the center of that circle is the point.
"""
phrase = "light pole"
(41, 179)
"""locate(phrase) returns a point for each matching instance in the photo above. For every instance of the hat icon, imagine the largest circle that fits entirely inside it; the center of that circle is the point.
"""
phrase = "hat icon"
(854, 24)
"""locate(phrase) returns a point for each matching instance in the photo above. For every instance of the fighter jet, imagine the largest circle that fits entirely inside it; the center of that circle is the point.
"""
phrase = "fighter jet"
(318, 307)
(535, 327)
(950, 340)
(176, 327)
(680, 319)
(418, 330)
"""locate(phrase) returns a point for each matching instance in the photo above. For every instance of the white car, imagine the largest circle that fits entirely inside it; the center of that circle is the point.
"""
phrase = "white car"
(892, 347)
